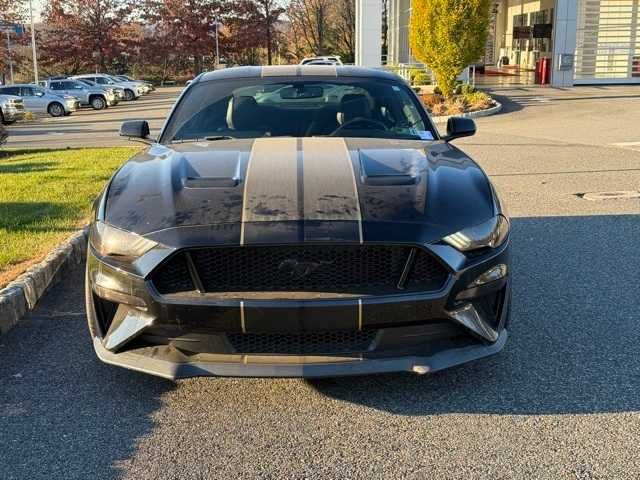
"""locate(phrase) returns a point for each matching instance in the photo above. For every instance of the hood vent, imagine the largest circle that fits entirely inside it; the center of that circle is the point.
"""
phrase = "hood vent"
(391, 167)
(210, 169)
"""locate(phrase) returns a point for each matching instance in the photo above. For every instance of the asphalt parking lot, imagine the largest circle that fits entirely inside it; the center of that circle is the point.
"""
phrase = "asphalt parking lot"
(94, 128)
(561, 401)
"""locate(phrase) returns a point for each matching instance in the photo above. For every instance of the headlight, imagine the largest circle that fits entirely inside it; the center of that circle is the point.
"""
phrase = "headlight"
(489, 234)
(113, 242)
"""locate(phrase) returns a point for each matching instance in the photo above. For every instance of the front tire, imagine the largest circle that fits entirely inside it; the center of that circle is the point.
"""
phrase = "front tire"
(129, 95)
(98, 103)
(55, 109)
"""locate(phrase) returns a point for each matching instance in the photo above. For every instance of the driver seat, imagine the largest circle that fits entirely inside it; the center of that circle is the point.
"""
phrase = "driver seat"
(353, 106)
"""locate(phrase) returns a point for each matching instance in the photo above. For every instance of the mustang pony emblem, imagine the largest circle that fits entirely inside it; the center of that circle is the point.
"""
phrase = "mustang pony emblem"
(299, 269)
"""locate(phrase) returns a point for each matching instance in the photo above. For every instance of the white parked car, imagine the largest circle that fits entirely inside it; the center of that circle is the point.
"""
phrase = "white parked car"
(132, 90)
(324, 60)
(11, 109)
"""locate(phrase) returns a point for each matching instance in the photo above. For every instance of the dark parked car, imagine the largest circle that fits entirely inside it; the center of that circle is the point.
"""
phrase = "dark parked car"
(298, 221)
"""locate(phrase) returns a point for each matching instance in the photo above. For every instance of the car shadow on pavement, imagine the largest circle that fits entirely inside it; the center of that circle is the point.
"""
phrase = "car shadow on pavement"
(574, 336)
(63, 413)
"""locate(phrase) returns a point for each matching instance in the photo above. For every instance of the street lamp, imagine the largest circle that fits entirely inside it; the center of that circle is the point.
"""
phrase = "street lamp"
(33, 43)
(217, 25)
(96, 54)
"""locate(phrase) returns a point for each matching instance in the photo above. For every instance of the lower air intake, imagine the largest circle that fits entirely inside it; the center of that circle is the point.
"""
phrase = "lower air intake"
(315, 343)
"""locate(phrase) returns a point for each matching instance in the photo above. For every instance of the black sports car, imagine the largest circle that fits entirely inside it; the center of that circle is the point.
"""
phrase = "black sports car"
(298, 221)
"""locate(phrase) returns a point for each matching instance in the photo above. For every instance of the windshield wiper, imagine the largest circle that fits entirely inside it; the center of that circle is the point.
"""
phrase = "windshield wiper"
(213, 138)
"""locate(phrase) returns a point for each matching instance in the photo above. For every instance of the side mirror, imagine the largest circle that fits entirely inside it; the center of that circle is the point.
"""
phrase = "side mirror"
(39, 94)
(458, 127)
(135, 129)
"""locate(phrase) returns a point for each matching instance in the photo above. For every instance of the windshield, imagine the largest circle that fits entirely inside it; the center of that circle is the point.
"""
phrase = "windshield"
(258, 107)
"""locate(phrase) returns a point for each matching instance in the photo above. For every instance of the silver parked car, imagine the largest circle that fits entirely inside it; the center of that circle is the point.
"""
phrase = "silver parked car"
(39, 100)
(148, 86)
(11, 109)
(95, 97)
(132, 90)
(116, 90)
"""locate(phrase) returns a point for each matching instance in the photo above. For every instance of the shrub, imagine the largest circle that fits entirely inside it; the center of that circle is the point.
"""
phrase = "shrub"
(478, 100)
(448, 35)
(421, 78)
(456, 106)
(457, 90)
(467, 89)
(431, 100)
(438, 109)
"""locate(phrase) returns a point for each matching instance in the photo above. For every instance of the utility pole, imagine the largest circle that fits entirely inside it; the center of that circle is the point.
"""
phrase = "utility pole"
(217, 49)
(9, 54)
(33, 43)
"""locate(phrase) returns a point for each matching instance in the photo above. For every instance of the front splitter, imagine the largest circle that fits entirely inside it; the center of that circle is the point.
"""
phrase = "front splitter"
(340, 367)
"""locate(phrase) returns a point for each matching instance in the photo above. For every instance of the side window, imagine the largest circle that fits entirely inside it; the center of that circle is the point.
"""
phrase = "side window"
(57, 86)
(101, 80)
(411, 114)
(27, 92)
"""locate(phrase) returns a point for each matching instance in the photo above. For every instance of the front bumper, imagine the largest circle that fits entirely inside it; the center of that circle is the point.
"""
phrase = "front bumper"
(71, 106)
(177, 338)
(247, 366)
(112, 100)
(12, 114)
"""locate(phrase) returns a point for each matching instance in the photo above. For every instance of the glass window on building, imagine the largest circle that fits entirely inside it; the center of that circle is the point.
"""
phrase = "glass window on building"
(608, 41)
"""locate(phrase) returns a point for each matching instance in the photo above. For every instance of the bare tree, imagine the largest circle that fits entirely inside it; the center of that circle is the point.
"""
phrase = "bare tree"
(345, 28)
(310, 19)
(271, 12)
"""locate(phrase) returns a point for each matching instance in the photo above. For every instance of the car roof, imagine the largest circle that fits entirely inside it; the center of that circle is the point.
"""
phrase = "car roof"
(20, 85)
(296, 71)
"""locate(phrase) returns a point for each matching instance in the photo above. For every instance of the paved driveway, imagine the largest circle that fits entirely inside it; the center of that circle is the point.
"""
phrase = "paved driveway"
(94, 128)
(561, 401)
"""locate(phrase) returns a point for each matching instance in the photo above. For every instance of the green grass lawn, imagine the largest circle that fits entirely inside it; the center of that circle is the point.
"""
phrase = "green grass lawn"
(45, 195)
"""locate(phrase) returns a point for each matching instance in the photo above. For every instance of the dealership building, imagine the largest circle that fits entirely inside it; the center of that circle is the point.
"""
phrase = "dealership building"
(579, 41)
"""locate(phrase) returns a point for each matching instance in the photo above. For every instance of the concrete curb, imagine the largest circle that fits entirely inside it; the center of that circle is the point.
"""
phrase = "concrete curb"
(480, 113)
(22, 294)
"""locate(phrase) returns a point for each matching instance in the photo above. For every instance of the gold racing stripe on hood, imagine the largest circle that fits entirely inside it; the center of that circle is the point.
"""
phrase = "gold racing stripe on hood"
(289, 179)
(330, 189)
(271, 184)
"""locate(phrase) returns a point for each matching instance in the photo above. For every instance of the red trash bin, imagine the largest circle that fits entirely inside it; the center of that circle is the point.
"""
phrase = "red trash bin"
(545, 70)
(538, 75)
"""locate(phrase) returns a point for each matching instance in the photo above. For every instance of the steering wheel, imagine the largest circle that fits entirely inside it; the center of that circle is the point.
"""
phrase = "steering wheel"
(360, 120)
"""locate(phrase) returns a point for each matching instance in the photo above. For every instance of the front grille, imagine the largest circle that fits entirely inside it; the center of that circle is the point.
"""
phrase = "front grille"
(316, 343)
(353, 269)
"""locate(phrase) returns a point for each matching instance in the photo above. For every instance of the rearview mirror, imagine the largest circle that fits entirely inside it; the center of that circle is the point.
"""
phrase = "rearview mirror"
(458, 127)
(301, 92)
(135, 129)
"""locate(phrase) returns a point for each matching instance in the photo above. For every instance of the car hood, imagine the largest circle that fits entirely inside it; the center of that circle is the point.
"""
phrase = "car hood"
(281, 190)
(129, 84)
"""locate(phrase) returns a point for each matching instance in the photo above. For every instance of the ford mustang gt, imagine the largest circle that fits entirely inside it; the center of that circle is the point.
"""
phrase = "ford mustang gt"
(297, 221)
